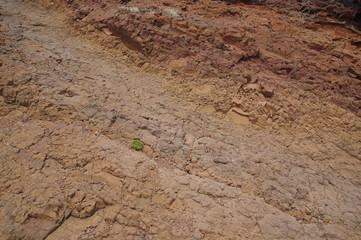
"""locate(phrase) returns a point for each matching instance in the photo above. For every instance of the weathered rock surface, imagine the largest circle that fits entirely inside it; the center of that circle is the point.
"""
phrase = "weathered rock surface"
(289, 41)
(69, 110)
(344, 9)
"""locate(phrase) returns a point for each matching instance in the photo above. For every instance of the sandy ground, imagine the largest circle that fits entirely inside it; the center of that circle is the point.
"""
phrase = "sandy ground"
(69, 110)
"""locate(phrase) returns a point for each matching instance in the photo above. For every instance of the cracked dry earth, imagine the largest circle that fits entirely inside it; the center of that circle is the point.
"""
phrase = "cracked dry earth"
(69, 111)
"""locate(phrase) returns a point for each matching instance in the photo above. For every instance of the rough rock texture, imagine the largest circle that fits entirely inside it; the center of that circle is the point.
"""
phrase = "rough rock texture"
(236, 45)
(342, 9)
(69, 110)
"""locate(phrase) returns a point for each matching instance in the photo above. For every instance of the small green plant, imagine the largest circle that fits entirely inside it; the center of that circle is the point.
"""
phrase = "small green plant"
(137, 145)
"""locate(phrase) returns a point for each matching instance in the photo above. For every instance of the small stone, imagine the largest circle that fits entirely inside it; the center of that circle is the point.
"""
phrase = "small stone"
(107, 31)
(252, 86)
(198, 234)
(234, 37)
(189, 139)
(222, 160)
(267, 91)
(207, 32)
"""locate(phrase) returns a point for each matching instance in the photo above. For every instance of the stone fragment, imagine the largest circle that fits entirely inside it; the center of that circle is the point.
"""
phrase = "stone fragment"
(267, 90)
(107, 31)
(252, 87)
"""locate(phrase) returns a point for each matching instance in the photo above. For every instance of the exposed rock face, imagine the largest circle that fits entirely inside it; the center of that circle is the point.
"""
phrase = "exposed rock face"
(284, 164)
(298, 42)
(345, 9)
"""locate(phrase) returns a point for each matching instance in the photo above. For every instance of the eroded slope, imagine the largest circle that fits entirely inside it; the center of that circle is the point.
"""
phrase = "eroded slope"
(69, 111)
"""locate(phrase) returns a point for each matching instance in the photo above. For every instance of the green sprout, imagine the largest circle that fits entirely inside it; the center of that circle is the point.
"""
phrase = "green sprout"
(137, 145)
